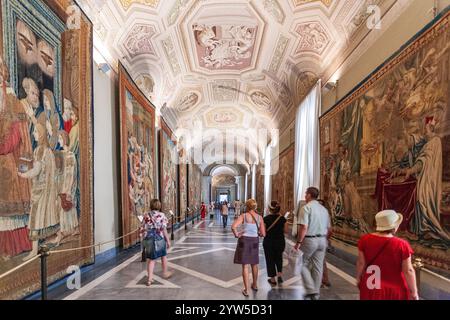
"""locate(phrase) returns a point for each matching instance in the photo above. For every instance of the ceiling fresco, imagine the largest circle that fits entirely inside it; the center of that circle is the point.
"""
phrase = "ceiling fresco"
(230, 63)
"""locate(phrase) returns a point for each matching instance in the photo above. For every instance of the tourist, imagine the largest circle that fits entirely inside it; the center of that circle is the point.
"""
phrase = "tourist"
(274, 242)
(313, 228)
(156, 240)
(224, 213)
(247, 250)
(391, 256)
(211, 210)
(203, 211)
(237, 208)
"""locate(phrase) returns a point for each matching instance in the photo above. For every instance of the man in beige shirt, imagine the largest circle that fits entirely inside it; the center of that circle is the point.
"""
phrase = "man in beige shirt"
(313, 227)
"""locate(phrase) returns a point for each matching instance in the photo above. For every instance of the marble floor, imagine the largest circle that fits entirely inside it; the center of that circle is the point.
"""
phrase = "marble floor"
(202, 261)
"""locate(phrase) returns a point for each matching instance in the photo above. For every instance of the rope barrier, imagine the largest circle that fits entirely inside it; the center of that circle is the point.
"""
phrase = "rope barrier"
(93, 245)
(19, 266)
(63, 250)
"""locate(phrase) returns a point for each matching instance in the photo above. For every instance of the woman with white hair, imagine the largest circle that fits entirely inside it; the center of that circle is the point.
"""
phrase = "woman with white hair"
(384, 268)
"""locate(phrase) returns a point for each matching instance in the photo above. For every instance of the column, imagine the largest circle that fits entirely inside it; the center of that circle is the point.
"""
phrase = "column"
(245, 188)
(254, 181)
(206, 189)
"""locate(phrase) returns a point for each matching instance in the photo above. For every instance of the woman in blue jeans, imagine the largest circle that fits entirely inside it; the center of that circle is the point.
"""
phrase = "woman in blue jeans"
(224, 212)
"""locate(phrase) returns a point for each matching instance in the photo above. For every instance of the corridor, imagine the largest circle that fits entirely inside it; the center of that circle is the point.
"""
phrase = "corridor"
(202, 261)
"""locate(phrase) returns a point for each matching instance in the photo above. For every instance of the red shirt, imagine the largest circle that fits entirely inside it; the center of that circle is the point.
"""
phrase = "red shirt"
(393, 283)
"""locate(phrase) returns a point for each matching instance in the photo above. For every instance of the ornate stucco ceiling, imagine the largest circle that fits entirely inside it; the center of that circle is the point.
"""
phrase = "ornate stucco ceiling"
(230, 63)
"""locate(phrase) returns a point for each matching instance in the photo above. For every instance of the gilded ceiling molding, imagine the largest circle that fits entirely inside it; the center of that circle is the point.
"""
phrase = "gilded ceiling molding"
(327, 3)
(174, 13)
(282, 44)
(274, 8)
(171, 56)
(126, 4)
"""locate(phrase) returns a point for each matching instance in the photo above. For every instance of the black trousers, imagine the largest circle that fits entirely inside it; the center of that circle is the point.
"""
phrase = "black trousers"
(273, 250)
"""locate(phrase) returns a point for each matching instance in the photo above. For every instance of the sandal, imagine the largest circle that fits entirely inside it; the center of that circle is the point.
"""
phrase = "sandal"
(167, 275)
(254, 289)
(272, 283)
(149, 283)
(245, 293)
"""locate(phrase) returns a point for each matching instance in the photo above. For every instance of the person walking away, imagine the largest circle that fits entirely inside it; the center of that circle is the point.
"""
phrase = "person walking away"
(156, 239)
(224, 212)
(391, 256)
(203, 211)
(247, 250)
(274, 243)
(313, 228)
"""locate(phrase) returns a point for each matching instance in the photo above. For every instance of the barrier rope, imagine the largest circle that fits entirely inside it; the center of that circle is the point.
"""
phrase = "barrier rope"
(64, 250)
(94, 245)
(19, 266)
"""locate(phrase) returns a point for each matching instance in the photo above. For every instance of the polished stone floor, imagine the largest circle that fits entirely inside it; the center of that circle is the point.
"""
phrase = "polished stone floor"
(202, 261)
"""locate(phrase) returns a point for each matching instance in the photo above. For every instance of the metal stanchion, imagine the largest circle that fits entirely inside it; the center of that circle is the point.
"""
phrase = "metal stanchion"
(418, 266)
(186, 213)
(172, 236)
(193, 217)
(44, 252)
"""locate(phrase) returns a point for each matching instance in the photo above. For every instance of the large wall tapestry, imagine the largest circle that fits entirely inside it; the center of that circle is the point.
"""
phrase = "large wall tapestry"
(386, 146)
(260, 188)
(45, 141)
(195, 186)
(137, 128)
(183, 188)
(283, 180)
(168, 158)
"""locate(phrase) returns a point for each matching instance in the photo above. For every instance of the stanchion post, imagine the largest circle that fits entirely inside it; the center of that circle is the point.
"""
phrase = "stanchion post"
(44, 252)
(418, 266)
(172, 236)
(186, 213)
(193, 217)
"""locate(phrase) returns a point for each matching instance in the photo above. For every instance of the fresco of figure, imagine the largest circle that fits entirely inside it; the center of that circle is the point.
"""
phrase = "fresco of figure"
(15, 152)
(44, 217)
(427, 169)
(67, 186)
(53, 119)
(31, 106)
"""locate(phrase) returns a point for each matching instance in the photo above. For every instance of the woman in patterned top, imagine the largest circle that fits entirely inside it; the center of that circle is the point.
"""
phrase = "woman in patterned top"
(156, 240)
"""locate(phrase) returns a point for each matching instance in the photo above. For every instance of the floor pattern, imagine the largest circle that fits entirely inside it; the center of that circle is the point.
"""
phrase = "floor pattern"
(202, 261)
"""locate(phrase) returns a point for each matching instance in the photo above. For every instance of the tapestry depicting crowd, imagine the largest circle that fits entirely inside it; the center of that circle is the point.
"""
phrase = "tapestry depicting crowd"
(386, 146)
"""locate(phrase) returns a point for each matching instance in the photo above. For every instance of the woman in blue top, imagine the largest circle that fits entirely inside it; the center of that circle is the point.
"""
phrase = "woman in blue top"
(247, 251)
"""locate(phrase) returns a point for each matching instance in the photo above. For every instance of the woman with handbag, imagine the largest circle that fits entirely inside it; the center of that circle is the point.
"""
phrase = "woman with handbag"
(156, 240)
(247, 250)
(384, 268)
(274, 243)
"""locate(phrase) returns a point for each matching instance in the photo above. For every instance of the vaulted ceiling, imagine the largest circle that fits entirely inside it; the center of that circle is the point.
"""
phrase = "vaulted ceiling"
(226, 64)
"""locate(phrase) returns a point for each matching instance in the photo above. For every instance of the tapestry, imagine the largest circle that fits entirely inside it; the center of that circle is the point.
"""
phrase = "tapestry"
(46, 177)
(386, 146)
(283, 180)
(260, 189)
(137, 131)
(183, 190)
(168, 158)
(195, 187)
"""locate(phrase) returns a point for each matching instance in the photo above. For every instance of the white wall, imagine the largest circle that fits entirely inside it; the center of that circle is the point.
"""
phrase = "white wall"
(106, 149)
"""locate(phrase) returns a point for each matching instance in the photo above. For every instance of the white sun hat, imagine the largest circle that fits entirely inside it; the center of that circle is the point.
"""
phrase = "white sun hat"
(388, 220)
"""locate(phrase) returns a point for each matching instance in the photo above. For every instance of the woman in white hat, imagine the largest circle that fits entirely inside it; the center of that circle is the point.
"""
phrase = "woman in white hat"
(384, 268)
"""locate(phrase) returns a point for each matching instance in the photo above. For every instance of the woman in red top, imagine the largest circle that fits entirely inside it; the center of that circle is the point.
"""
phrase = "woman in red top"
(384, 268)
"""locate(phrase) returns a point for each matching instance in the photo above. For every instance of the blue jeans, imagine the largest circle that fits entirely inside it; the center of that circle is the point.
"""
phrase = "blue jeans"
(225, 221)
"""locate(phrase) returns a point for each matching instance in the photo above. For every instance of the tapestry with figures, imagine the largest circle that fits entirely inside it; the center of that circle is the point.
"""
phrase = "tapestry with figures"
(46, 175)
(386, 146)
